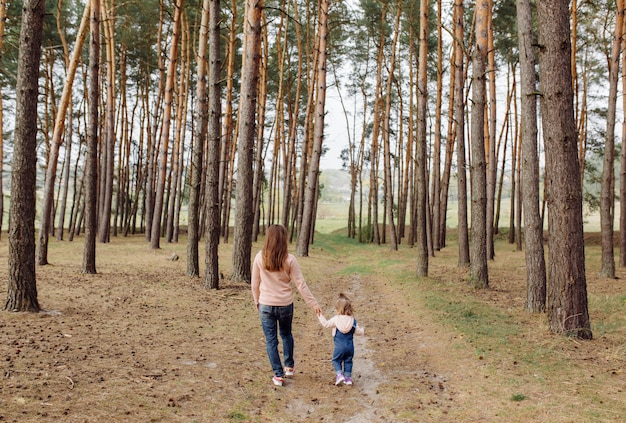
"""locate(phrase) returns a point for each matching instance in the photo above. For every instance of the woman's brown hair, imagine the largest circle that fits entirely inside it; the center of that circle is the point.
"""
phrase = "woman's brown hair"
(275, 248)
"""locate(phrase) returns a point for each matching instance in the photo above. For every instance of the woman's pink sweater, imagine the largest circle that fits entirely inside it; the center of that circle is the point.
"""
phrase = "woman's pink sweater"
(274, 288)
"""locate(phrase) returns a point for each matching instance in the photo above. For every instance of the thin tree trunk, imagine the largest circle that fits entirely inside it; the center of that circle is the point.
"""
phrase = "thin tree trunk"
(153, 144)
(310, 200)
(91, 158)
(3, 17)
(451, 135)
(211, 279)
(463, 235)
(387, 133)
(228, 126)
(57, 140)
(179, 138)
(155, 233)
(193, 235)
(622, 171)
(492, 154)
(290, 166)
(436, 178)
(607, 199)
(108, 161)
(421, 165)
(257, 181)
(515, 148)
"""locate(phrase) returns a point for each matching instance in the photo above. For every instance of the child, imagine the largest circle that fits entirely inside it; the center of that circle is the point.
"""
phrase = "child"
(344, 327)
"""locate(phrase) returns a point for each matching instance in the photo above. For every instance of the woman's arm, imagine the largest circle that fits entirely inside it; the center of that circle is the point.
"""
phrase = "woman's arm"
(255, 282)
(298, 279)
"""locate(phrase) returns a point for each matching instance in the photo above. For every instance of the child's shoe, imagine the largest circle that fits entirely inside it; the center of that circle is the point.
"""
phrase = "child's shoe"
(278, 381)
(289, 371)
(339, 379)
(348, 380)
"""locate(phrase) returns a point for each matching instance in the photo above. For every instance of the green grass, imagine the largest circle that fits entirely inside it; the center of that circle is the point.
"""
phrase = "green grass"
(518, 397)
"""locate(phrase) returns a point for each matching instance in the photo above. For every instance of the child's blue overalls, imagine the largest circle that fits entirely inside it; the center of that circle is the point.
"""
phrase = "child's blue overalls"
(344, 351)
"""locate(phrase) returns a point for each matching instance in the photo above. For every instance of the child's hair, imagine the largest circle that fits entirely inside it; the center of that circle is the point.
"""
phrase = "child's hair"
(275, 248)
(343, 305)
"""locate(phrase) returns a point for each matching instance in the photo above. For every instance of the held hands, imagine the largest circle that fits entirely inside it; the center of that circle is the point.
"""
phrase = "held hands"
(318, 311)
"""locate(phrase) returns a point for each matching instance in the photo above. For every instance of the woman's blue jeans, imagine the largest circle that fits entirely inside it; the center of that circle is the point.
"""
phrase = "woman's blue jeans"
(277, 319)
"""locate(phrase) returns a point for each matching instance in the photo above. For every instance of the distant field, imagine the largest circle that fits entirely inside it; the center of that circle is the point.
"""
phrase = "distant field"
(334, 216)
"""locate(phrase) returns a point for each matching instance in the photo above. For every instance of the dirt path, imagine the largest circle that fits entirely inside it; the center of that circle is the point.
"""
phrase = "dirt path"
(398, 369)
(140, 342)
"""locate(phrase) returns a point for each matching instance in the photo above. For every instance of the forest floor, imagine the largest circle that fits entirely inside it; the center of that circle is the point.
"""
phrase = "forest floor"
(141, 342)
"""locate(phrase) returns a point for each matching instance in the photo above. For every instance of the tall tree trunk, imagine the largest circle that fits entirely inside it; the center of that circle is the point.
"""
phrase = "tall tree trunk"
(478, 269)
(153, 144)
(57, 140)
(91, 158)
(459, 79)
(622, 171)
(310, 199)
(228, 126)
(65, 179)
(373, 194)
(451, 135)
(3, 17)
(22, 281)
(108, 161)
(607, 200)
(179, 138)
(567, 285)
(387, 133)
(155, 233)
(211, 279)
(290, 165)
(259, 156)
(514, 159)
(436, 179)
(421, 166)
(193, 235)
(533, 226)
(492, 155)
(244, 214)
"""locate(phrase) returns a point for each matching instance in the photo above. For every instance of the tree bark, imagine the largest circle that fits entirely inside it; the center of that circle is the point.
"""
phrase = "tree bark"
(155, 233)
(304, 232)
(91, 159)
(607, 199)
(211, 279)
(244, 213)
(492, 154)
(193, 229)
(393, 245)
(108, 159)
(57, 141)
(478, 269)
(22, 281)
(3, 17)
(533, 225)
(622, 172)
(421, 166)
(463, 235)
(566, 286)
(436, 179)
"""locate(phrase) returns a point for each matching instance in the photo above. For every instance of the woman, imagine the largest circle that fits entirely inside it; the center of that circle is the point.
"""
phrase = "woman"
(273, 271)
